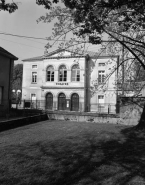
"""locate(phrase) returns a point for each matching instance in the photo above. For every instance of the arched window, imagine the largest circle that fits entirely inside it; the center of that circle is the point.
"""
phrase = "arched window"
(61, 101)
(62, 73)
(50, 74)
(75, 102)
(49, 101)
(75, 73)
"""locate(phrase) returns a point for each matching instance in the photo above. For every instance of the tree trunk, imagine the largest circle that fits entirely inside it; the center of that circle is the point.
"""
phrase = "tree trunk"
(141, 123)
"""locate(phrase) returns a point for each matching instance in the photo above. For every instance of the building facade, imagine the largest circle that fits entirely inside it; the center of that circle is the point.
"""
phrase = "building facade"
(62, 80)
(6, 71)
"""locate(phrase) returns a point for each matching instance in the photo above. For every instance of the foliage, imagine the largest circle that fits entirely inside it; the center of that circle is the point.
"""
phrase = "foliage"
(17, 77)
(90, 21)
(10, 7)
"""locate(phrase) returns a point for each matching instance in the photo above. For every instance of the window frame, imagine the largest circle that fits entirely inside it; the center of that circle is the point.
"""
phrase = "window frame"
(100, 64)
(76, 73)
(101, 76)
(34, 67)
(62, 71)
(52, 74)
(101, 98)
(34, 77)
(34, 96)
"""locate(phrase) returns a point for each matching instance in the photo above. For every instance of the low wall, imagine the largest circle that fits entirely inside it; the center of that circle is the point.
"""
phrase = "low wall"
(83, 117)
(130, 114)
(13, 123)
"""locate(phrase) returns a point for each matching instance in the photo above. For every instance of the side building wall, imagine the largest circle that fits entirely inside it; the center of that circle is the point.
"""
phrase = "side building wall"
(6, 66)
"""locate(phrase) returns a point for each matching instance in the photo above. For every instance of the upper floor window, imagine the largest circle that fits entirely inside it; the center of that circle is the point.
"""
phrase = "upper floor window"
(62, 73)
(34, 77)
(34, 66)
(50, 74)
(75, 73)
(101, 76)
(101, 64)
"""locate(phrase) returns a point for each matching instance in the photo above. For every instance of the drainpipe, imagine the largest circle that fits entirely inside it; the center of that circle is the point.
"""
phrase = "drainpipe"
(9, 86)
(86, 85)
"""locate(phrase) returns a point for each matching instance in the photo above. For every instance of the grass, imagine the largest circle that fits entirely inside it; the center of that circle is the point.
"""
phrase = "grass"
(71, 153)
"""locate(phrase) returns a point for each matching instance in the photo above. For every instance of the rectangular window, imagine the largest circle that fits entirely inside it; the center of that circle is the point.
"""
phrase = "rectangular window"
(33, 96)
(101, 99)
(34, 77)
(34, 66)
(63, 76)
(1, 94)
(50, 76)
(101, 76)
(75, 76)
(101, 64)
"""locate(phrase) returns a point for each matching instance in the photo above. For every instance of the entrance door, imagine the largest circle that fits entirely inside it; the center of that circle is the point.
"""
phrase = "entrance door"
(61, 101)
(49, 101)
(75, 102)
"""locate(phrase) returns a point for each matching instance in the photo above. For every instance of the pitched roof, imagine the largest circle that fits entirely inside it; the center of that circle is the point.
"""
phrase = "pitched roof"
(74, 54)
(7, 54)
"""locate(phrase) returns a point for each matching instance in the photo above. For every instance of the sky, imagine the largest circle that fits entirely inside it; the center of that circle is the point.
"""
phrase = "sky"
(23, 22)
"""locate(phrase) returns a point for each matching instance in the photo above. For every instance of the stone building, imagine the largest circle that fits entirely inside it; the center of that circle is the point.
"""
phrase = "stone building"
(62, 80)
(6, 69)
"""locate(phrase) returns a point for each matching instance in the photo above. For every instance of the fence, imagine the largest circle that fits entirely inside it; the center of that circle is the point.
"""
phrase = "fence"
(41, 105)
(107, 108)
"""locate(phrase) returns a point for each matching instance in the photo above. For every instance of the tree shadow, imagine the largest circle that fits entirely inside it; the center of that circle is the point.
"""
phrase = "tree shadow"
(87, 159)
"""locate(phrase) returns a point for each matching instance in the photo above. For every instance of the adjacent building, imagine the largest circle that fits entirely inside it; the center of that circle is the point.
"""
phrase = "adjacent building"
(6, 70)
(66, 81)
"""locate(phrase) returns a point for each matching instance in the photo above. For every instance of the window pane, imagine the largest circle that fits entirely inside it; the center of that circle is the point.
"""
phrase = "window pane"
(75, 73)
(34, 76)
(34, 66)
(101, 76)
(50, 73)
(50, 68)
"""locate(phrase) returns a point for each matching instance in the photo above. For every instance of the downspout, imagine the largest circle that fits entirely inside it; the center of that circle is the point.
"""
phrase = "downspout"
(9, 86)
(86, 85)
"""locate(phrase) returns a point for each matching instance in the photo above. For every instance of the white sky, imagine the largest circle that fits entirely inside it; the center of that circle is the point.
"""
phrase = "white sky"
(23, 22)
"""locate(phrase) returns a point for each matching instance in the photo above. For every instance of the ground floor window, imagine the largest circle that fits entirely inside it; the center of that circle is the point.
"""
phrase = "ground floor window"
(33, 101)
(75, 102)
(101, 99)
(61, 101)
(49, 101)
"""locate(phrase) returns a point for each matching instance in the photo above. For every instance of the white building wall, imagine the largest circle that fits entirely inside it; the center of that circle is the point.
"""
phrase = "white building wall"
(42, 87)
(106, 89)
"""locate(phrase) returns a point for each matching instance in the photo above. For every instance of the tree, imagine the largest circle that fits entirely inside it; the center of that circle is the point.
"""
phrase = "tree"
(91, 20)
(10, 7)
(17, 79)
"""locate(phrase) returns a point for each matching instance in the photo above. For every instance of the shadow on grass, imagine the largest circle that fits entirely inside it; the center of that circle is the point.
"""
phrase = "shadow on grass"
(86, 159)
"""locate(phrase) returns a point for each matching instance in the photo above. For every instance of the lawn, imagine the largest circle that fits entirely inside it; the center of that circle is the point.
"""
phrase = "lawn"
(71, 153)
